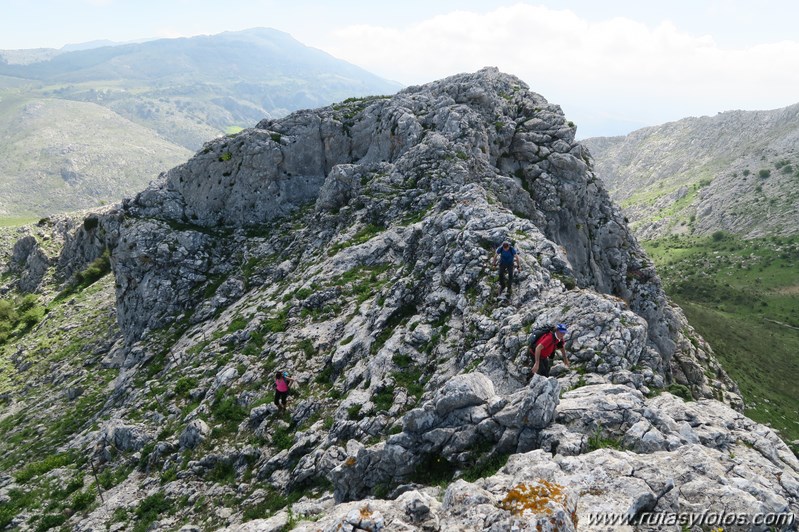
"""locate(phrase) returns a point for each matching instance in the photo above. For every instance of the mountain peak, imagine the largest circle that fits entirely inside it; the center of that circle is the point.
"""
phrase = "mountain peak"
(350, 246)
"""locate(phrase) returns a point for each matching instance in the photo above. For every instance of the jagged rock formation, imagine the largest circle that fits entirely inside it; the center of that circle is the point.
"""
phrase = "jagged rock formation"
(435, 143)
(348, 245)
(736, 171)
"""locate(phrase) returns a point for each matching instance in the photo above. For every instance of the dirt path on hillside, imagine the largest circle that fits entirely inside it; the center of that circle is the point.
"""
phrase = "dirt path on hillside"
(788, 290)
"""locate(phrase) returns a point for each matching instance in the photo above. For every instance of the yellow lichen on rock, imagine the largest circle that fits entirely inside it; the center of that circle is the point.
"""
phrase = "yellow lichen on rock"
(533, 497)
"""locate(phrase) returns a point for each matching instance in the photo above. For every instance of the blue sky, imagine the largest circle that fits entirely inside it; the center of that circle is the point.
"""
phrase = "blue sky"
(613, 66)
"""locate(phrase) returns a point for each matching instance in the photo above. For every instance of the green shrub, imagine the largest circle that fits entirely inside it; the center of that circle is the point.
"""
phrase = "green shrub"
(354, 412)
(223, 472)
(95, 271)
(44, 466)
(237, 324)
(326, 375)
(681, 391)
(185, 385)
(278, 323)
(384, 399)
(486, 468)
(150, 509)
(83, 500)
(273, 502)
(282, 438)
(226, 409)
(169, 475)
(303, 293)
(120, 515)
(91, 223)
(28, 302)
(75, 484)
(307, 347)
(433, 470)
(410, 379)
(402, 360)
(597, 441)
(50, 521)
(764, 173)
(568, 281)
(8, 312)
(32, 316)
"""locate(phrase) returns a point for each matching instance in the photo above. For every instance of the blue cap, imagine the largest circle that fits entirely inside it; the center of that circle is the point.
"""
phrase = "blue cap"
(561, 328)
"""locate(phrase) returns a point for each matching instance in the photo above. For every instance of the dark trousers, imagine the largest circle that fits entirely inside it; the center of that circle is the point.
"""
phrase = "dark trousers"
(280, 399)
(544, 364)
(505, 269)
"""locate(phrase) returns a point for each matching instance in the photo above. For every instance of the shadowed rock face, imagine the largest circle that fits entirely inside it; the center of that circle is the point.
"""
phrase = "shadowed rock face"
(349, 245)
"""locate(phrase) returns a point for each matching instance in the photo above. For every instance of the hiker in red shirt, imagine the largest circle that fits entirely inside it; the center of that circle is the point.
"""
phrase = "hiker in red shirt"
(545, 347)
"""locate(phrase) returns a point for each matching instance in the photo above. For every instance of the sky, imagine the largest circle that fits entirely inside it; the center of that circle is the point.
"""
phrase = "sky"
(612, 65)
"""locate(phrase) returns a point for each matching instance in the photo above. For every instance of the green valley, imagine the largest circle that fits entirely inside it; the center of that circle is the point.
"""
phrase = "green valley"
(742, 296)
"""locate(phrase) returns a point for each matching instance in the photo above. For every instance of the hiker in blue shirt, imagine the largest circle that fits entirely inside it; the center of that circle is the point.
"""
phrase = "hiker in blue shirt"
(507, 258)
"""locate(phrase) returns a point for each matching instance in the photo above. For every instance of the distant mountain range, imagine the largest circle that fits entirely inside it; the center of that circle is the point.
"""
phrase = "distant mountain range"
(737, 171)
(167, 97)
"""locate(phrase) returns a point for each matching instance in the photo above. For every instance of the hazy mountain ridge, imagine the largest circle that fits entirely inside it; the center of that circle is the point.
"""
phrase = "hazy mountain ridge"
(737, 171)
(348, 245)
(269, 64)
(178, 91)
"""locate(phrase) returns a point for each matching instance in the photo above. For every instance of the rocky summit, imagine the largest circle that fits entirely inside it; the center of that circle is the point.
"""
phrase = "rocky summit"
(350, 247)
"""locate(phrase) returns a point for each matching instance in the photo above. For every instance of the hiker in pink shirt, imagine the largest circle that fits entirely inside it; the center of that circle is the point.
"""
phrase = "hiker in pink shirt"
(282, 384)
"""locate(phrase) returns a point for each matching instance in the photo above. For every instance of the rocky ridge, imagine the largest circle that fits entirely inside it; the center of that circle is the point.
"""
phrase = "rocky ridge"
(348, 245)
(736, 171)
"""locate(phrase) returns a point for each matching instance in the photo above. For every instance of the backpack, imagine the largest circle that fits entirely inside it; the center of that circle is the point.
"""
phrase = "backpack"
(537, 334)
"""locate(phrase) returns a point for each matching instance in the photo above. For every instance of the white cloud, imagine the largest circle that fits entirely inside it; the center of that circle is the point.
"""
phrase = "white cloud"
(616, 67)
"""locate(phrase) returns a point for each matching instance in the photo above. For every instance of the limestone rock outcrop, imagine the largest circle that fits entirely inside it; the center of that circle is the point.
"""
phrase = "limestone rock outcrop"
(350, 247)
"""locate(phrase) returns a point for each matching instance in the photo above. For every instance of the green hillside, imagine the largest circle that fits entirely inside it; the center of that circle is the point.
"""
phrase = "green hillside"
(60, 155)
(742, 296)
(87, 127)
(737, 171)
(191, 89)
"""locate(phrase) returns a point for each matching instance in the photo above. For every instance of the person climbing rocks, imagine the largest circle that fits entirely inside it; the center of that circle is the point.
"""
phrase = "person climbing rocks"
(545, 347)
(282, 384)
(508, 257)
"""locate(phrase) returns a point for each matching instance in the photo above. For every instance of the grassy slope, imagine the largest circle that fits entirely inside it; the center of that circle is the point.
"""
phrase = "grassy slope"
(52, 387)
(51, 160)
(733, 291)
